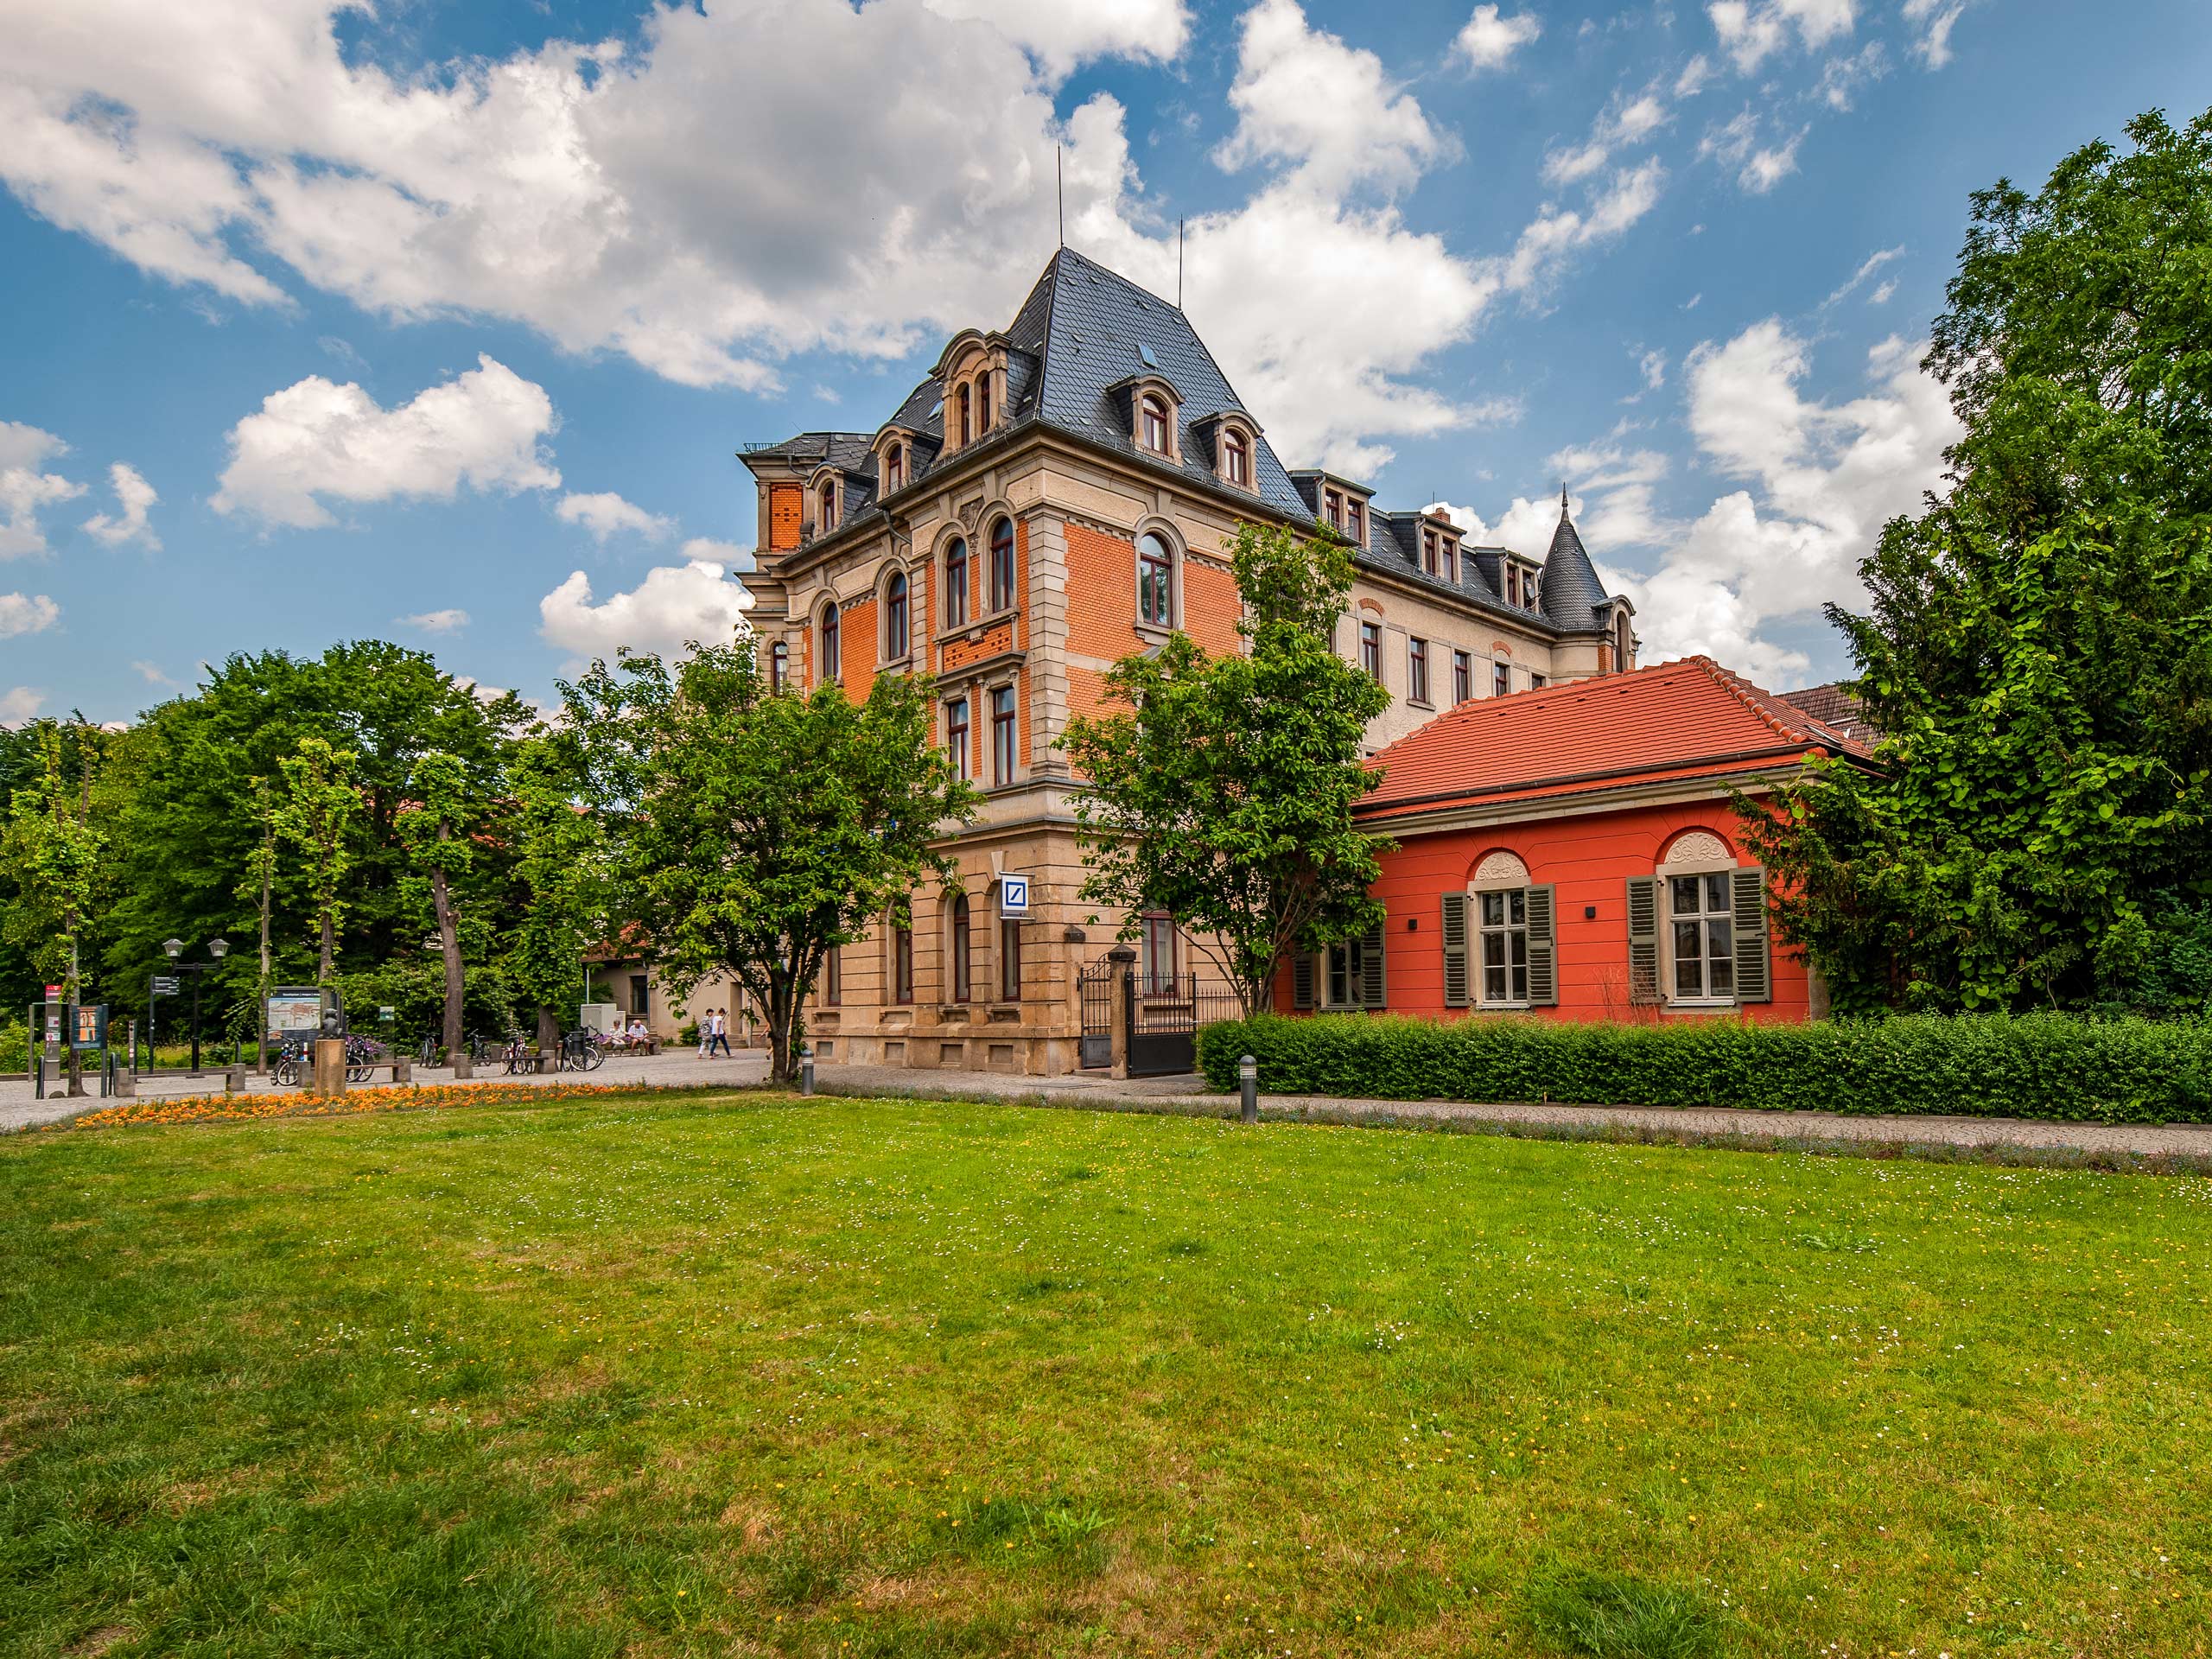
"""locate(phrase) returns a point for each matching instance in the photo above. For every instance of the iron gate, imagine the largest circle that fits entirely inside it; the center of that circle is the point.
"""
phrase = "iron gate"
(1164, 1014)
(1095, 1049)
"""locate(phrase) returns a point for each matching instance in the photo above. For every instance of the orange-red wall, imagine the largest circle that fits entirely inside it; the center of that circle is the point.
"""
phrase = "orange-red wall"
(1588, 861)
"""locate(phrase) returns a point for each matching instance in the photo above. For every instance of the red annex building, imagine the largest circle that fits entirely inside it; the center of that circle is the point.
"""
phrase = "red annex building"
(1573, 851)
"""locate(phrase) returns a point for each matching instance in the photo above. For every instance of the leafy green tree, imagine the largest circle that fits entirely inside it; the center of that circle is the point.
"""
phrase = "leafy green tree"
(57, 852)
(439, 831)
(315, 814)
(759, 830)
(561, 866)
(1222, 794)
(2038, 650)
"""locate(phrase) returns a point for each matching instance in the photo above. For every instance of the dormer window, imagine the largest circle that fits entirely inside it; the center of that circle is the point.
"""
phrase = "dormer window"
(1428, 552)
(1332, 509)
(1356, 523)
(894, 468)
(967, 415)
(983, 404)
(1624, 646)
(825, 507)
(1236, 460)
(1152, 423)
(1449, 547)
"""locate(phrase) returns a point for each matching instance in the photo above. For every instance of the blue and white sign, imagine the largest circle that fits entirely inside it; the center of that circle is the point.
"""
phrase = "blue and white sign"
(1014, 895)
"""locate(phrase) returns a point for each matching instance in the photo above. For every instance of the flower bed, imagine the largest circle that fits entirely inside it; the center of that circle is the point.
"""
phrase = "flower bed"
(214, 1109)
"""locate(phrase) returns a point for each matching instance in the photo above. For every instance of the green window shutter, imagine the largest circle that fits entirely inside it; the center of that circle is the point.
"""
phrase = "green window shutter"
(1754, 959)
(1301, 980)
(1643, 938)
(1543, 953)
(1373, 988)
(1456, 991)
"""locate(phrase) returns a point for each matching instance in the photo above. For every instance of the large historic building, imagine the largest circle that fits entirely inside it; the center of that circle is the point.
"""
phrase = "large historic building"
(1056, 495)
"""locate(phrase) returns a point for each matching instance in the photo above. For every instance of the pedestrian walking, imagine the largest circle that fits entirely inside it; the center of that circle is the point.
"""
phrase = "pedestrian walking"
(721, 1035)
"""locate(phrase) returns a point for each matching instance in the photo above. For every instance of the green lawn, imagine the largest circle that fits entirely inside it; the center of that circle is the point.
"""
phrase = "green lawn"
(746, 1374)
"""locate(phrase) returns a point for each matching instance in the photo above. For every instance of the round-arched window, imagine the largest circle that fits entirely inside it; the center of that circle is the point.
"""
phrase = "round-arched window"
(1621, 663)
(1152, 424)
(956, 584)
(1155, 581)
(895, 617)
(825, 515)
(832, 667)
(1002, 564)
(1237, 459)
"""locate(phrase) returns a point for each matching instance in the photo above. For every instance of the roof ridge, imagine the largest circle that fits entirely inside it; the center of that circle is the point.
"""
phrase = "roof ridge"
(1759, 701)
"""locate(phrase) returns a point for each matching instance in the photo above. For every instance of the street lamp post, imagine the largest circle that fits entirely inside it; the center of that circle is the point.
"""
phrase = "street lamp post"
(216, 948)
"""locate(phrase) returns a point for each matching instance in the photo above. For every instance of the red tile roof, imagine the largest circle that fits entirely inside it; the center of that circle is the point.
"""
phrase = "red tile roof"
(1681, 719)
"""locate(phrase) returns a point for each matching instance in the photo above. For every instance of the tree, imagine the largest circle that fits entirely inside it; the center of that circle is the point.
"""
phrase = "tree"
(316, 815)
(57, 853)
(438, 833)
(1223, 793)
(2038, 650)
(260, 876)
(560, 863)
(758, 830)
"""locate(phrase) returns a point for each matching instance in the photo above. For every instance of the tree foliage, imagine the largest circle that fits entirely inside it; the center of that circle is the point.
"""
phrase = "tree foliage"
(1222, 792)
(561, 871)
(314, 813)
(2038, 648)
(755, 831)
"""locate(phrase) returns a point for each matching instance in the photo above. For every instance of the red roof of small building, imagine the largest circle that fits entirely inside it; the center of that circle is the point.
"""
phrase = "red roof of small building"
(1683, 719)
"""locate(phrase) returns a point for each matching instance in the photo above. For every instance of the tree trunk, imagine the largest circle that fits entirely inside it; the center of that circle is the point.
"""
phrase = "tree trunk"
(783, 1052)
(549, 1029)
(261, 1015)
(450, 944)
(329, 948)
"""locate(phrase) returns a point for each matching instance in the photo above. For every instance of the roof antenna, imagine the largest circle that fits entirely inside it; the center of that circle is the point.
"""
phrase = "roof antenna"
(1060, 191)
(1178, 262)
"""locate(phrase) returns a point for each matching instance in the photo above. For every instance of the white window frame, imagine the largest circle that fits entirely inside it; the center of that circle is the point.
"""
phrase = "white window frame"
(1700, 869)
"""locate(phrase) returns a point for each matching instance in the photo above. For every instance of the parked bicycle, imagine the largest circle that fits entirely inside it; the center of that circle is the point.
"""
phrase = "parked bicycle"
(291, 1059)
(581, 1051)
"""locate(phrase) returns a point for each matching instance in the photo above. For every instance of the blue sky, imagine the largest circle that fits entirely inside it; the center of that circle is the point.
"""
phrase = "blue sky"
(441, 322)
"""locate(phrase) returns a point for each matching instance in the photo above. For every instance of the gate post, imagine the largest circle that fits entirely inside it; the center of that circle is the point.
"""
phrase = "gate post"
(1122, 1019)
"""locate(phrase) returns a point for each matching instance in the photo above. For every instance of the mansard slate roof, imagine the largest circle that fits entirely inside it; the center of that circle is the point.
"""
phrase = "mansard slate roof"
(1686, 719)
(1085, 330)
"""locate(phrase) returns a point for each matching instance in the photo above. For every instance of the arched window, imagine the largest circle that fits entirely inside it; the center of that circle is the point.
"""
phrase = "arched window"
(1621, 662)
(961, 957)
(1155, 581)
(825, 515)
(1237, 459)
(895, 469)
(833, 666)
(1002, 564)
(967, 414)
(1152, 423)
(983, 404)
(895, 617)
(956, 584)
(779, 665)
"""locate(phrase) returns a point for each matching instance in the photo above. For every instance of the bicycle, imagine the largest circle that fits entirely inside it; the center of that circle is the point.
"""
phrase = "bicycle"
(291, 1055)
(581, 1051)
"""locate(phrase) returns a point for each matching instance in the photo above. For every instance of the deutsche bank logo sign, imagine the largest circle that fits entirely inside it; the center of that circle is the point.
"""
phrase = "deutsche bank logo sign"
(1014, 895)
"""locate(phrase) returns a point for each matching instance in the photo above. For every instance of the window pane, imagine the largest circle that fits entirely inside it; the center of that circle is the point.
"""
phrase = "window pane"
(1520, 981)
(1493, 909)
(1721, 971)
(1719, 939)
(1516, 905)
(1689, 979)
(1685, 894)
(1493, 984)
(1716, 893)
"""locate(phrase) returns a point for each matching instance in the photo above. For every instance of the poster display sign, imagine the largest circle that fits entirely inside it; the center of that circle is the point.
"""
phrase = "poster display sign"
(88, 1026)
(294, 1013)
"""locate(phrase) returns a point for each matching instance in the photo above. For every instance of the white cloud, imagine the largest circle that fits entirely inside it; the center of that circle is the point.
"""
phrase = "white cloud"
(135, 496)
(1933, 21)
(1557, 231)
(315, 439)
(1819, 481)
(607, 513)
(1062, 34)
(1758, 167)
(1653, 367)
(445, 621)
(1842, 77)
(20, 704)
(1768, 165)
(1694, 76)
(704, 549)
(1488, 41)
(154, 674)
(24, 490)
(1303, 96)
(27, 613)
(674, 604)
(1872, 263)
(1624, 122)
(1882, 292)
(1749, 33)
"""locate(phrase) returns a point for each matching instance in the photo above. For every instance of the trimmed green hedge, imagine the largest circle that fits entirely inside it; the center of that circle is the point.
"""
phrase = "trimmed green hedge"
(2045, 1066)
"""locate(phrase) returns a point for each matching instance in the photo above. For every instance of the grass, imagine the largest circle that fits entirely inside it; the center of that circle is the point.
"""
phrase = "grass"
(835, 1378)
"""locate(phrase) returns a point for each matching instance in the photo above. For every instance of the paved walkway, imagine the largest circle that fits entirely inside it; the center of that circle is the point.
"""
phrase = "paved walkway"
(2187, 1143)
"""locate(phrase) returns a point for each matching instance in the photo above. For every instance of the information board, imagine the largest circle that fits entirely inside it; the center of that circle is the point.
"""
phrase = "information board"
(88, 1029)
(294, 1013)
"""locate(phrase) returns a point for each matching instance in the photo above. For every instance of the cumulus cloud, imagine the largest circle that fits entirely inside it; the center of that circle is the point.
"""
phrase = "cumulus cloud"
(24, 490)
(134, 497)
(703, 549)
(446, 621)
(1489, 42)
(19, 705)
(1062, 34)
(675, 605)
(605, 514)
(1820, 479)
(314, 439)
(1750, 32)
(27, 613)
(1304, 97)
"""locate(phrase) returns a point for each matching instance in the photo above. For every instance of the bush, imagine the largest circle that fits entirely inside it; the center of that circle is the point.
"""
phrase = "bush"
(2047, 1065)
